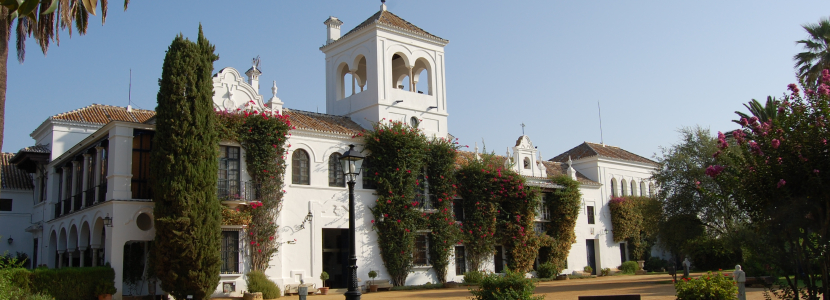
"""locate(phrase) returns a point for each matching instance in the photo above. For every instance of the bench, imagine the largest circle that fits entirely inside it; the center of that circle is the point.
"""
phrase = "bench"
(293, 288)
(611, 297)
(381, 283)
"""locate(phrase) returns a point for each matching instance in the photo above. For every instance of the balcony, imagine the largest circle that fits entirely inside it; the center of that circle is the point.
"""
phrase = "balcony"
(102, 192)
(77, 201)
(89, 197)
(57, 210)
(236, 190)
(67, 205)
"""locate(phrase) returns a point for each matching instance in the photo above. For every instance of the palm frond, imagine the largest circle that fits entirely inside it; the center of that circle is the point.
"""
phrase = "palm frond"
(22, 34)
(103, 12)
(126, 2)
(44, 32)
(81, 18)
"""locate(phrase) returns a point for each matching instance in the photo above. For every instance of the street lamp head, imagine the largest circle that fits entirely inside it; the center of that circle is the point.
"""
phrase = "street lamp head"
(309, 216)
(351, 161)
(108, 221)
(11, 240)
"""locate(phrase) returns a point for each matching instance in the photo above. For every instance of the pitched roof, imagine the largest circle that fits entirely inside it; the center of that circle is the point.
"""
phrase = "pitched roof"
(35, 149)
(322, 122)
(387, 18)
(551, 168)
(587, 149)
(12, 177)
(103, 114)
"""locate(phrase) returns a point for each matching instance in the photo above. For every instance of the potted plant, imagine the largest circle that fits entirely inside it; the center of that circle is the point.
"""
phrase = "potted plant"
(588, 270)
(373, 287)
(324, 276)
(104, 290)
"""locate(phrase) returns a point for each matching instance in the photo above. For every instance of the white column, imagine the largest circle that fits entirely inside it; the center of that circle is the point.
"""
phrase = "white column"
(94, 256)
(69, 253)
(119, 165)
(82, 251)
(60, 258)
(411, 81)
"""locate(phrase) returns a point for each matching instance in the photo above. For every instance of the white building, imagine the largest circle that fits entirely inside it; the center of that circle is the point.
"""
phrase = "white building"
(90, 169)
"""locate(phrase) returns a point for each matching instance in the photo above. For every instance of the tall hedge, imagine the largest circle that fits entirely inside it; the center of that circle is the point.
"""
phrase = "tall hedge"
(62, 284)
(183, 172)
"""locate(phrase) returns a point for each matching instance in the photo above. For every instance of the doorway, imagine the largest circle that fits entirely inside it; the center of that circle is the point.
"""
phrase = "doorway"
(498, 260)
(336, 257)
(592, 257)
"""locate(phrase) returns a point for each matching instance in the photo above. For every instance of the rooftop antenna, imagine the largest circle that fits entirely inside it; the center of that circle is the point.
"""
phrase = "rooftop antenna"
(130, 92)
(523, 128)
(599, 109)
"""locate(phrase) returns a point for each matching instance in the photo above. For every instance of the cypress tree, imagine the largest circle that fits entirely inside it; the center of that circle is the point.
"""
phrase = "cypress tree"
(184, 172)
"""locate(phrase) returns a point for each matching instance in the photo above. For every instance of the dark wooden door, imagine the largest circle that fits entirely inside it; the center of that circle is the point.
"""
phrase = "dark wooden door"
(592, 257)
(499, 259)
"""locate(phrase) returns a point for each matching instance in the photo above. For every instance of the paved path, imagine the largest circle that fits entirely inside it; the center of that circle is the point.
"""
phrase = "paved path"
(651, 287)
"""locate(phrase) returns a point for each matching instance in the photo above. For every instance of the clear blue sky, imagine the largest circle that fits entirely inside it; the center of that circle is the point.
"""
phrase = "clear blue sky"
(655, 66)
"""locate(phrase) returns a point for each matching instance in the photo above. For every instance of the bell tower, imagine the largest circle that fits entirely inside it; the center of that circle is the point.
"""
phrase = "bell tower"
(386, 68)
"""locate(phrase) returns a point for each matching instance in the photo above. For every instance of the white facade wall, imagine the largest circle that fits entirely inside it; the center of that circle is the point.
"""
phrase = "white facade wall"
(15, 222)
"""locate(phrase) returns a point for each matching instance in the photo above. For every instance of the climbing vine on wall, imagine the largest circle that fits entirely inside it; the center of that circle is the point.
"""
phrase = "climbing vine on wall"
(635, 220)
(262, 135)
(441, 157)
(563, 205)
(397, 157)
(496, 197)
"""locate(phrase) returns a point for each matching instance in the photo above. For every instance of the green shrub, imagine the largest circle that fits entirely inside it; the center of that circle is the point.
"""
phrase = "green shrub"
(655, 264)
(547, 270)
(71, 283)
(605, 271)
(258, 282)
(473, 277)
(324, 276)
(588, 269)
(708, 287)
(512, 286)
(38, 297)
(629, 267)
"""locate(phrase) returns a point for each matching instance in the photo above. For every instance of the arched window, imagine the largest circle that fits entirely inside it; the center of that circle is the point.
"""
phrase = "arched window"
(624, 186)
(300, 167)
(613, 187)
(633, 188)
(651, 190)
(642, 188)
(422, 76)
(527, 163)
(401, 73)
(336, 171)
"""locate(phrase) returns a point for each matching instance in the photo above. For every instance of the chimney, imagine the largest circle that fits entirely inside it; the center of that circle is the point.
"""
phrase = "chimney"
(333, 32)
(253, 77)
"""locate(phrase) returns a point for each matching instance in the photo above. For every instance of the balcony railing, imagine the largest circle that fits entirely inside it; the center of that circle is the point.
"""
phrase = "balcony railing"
(89, 197)
(77, 201)
(67, 205)
(102, 192)
(57, 209)
(236, 190)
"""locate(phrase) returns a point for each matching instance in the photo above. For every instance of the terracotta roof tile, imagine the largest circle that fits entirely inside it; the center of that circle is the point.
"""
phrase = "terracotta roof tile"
(12, 177)
(389, 19)
(36, 149)
(103, 114)
(587, 149)
(322, 122)
(552, 168)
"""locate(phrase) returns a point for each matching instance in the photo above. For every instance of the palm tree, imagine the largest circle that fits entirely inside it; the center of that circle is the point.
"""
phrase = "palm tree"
(808, 64)
(43, 20)
(764, 113)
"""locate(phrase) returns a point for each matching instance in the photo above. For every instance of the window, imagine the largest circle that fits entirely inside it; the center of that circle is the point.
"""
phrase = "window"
(460, 261)
(67, 184)
(230, 252)
(368, 176)
(102, 185)
(142, 143)
(622, 253)
(651, 190)
(422, 195)
(542, 212)
(300, 167)
(590, 213)
(642, 189)
(421, 253)
(413, 121)
(498, 259)
(613, 187)
(539, 228)
(633, 188)
(458, 209)
(527, 163)
(34, 253)
(336, 171)
(79, 173)
(5, 204)
(104, 154)
(90, 172)
(228, 185)
(43, 181)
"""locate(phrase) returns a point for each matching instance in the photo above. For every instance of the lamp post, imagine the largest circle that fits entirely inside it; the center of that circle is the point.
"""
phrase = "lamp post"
(351, 161)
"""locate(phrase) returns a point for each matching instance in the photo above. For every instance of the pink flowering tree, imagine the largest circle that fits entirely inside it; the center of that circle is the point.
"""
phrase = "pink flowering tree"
(775, 170)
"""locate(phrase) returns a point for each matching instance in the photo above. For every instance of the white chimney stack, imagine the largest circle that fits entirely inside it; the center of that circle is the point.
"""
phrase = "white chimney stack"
(253, 75)
(333, 32)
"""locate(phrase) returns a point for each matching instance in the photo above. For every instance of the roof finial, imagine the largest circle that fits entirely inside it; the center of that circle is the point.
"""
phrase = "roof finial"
(383, 5)
(523, 128)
